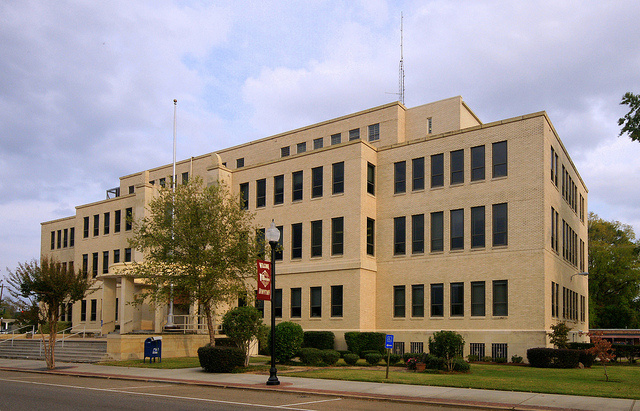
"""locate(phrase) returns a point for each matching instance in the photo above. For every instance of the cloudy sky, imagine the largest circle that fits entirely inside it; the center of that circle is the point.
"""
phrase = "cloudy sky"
(87, 88)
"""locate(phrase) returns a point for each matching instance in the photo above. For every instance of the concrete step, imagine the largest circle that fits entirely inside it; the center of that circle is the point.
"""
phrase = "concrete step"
(69, 350)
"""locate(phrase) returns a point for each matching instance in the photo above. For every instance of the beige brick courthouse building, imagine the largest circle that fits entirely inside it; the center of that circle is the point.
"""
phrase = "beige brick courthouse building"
(399, 220)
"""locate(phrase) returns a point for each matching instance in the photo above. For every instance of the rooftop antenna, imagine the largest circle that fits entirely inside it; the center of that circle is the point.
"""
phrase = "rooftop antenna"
(401, 68)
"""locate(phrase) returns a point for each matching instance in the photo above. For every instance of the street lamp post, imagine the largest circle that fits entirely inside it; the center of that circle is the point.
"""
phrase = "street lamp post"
(272, 235)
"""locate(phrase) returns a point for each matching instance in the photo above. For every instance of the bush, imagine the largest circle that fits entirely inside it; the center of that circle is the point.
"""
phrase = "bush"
(363, 354)
(393, 358)
(500, 360)
(357, 342)
(446, 345)
(434, 363)
(310, 356)
(553, 358)
(407, 355)
(473, 357)
(289, 337)
(516, 359)
(330, 357)
(62, 325)
(322, 340)
(351, 359)
(460, 365)
(586, 358)
(344, 352)
(539, 357)
(373, 358)
(486, 358)
(220, 359)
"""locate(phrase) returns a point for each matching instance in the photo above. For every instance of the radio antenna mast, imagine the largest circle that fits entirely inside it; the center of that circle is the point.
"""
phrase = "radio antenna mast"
(401, 68)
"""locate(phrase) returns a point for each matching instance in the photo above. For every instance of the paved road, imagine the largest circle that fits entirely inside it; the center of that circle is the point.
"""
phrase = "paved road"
(27, 391)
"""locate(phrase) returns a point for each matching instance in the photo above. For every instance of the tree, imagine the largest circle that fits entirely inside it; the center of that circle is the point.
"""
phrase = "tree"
(559, 335)
(48, 286)
(446, 345)
(242, 325)
(614, 275)
(199, 240)
(601, 350)
(631, 120)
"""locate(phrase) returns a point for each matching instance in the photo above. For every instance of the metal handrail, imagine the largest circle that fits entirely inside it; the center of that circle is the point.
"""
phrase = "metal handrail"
(199, 326)
(13, 332)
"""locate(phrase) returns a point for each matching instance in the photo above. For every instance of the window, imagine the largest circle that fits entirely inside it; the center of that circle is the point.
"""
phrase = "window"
(85, 227)
(316, 302)
(554, 299)
(65, 237)
(417, 167)
(477, 227)
(277, 303)
(399, 229)
(457, 229)
(457, 167)
(301, 147)
(117, 216)
(318, 143)
(477, 163)
(72, 236)
(85, 264)
(316, 182)
(94, 310)
(499, 157)
(437, 170)
(417, 300)
(499, 350)
(336, 139)
(116, 256)
(338, 178)
(96, 225)
(336, 300)
(354, 134)
(59, 242)
(185, 178)
(83, 310)
(437, 300)
(400, 177)
(316, 238)
(128, 213)
(296, 302)
(240, 162)
(457, 299)
(398, 301)
(280, 243)
(437, 231)
(371, 179)
(398, 348)
(555, 181)
(94, 267)
(107, 218)
(417, 234)
(296, 241)
(477, 349)
(477, 299)
(500, 224)
(132, 189)
(374, 132)
(105, 262)
(261, 192)
(337, 235)
(244, 196)
(127, 255)
(284, 151)
(500, 298)
(163, 182)
(278, 189)
(261, 242)
(53, 240)
(429, 125)
(296, 183)
(371, 232)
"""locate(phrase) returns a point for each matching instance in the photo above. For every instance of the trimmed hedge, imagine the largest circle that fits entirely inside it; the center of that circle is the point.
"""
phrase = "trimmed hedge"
(357, 341)
(322, 340)
(330, 357)
(553, 358)
(351, 359)
(289, 337)
(220, 359)
(393, 358)
(460, 365)
(434, 363)
(310, 356)
(373, 358)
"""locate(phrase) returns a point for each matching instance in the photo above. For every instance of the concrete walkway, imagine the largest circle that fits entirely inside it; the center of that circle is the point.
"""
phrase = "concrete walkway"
(458, 397)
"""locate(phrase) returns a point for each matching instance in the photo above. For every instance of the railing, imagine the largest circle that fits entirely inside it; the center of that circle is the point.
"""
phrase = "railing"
(13, 332)
(196, 324)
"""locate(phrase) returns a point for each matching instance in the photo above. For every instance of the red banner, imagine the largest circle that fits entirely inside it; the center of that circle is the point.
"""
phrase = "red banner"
(264, 280)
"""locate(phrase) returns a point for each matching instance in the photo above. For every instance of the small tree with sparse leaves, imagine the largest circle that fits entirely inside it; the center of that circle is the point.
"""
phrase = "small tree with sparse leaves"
(243, 325)
(560, 335)
(601, 349)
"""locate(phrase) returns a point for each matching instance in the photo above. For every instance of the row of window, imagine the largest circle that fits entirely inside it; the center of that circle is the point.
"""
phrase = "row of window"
(106, 220)
(314, 296)
(573, 248)
(569, 188)
(456, 158)
(500, 300)
(573, 304)
(163, 181)
(95, 258)
(456, 229)
(63, 238)
(498, 350)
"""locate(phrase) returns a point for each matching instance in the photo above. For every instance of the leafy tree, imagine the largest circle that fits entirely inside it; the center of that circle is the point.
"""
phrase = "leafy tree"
(446, 345)
(289, 337)
(199, 239)
(559, 335)
(614, 275)
(601, 349)
(242, 325)
(48, 286)
(631, 120)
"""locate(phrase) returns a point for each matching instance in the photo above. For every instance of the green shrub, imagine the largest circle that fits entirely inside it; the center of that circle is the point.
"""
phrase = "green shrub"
(344, 352)
(62, 325)
(310, 356)
(446, 345)
(586, 358)
(500, 360)
(330, 357)
(322, 340)
(516, 359)
(220, 359)
(225, 342)
(434, 363)
(357, 342)
(351, 359)
(460, 365)
(486, 358)
(473, 357)
(553, 358)
(373, 358)
(363, 354)
(407, 355)
(393, 358)
(540, 357)
(289, 337)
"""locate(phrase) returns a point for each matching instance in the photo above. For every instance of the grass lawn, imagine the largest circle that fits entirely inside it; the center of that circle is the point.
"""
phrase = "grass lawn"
(624, 381)
(173, 363)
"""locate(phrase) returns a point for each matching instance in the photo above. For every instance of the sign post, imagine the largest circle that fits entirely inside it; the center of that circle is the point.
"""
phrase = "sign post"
(388, 344)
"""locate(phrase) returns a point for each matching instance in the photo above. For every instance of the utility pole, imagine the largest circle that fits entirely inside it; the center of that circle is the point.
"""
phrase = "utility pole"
(1, 309)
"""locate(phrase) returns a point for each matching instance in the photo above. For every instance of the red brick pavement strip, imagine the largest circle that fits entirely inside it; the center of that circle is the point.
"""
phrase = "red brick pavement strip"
(288, 387)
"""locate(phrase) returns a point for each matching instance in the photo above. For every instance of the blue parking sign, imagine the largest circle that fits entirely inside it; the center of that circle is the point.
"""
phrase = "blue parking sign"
(389, 341)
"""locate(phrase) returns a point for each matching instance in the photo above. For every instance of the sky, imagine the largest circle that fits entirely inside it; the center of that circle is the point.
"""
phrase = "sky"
(87, 88)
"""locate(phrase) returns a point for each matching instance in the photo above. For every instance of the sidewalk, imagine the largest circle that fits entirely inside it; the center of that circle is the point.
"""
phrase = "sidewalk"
(460, 397)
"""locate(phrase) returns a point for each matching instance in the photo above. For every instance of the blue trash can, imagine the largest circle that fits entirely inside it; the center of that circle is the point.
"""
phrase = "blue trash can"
(153, 349)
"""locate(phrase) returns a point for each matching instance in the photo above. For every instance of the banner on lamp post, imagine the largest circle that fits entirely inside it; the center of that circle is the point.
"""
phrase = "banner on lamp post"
(264, 280)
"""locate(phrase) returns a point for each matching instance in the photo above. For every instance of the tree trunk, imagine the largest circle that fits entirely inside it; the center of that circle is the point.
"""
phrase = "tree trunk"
(49, 352)
(210, 328)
